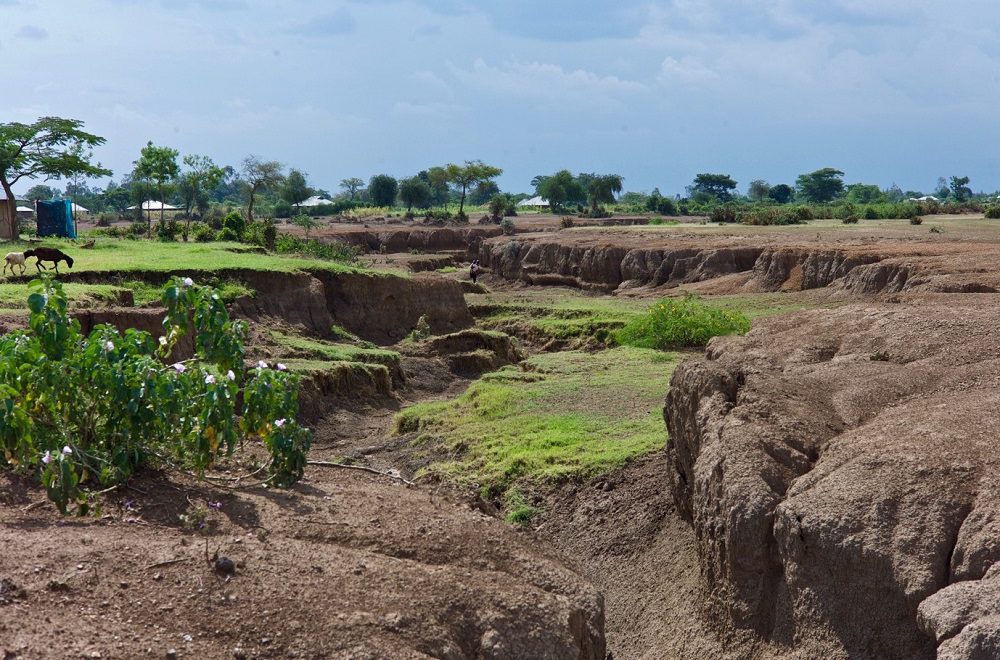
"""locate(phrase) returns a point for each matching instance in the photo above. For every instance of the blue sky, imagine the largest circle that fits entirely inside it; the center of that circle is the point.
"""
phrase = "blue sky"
(889, 91)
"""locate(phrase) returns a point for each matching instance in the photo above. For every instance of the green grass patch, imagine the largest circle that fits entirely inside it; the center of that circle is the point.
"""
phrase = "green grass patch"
(447, 269)
(118, 255)
(15, 296)
(675, 322)
(558, 416)
(316, 349)
(144, 293)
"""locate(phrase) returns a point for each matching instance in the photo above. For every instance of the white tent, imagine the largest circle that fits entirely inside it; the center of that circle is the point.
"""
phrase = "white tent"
(79, 209)
(315, 200)
(25, 209)
(925, 198)
(153, 206)
(534, 201)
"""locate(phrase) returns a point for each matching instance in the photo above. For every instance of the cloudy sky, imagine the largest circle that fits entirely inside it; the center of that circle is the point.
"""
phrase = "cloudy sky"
(889, 91)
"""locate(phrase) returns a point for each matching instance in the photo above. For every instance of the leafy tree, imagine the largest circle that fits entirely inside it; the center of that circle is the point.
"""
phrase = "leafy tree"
(382, 189)
(864, 193)
(716, 186)
(51, 147)
(230, 187)
(201, 176)
(41, 191)
(781, 193)
(602, 189)
(470, 174)
(116, 196)
(758, 190)
(306, 222)
(483, 193)
(259, 175)
(820, 186)
(414, 192)
(159, 166)
(351, 186)
(959, 186)
(537, 181)
(560, 188)
(894, 194)
(941, 190)
(437, 179)
(295, 190)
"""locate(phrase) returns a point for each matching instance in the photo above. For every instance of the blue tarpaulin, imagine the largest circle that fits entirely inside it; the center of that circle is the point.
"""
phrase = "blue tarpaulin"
(55, 218)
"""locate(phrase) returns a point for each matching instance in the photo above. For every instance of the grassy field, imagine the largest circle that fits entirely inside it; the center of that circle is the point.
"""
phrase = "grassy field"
(306, 349)
(557, 416)
(127, 255)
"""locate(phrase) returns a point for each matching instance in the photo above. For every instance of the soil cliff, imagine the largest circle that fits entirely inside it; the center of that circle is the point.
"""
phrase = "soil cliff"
(839, 469)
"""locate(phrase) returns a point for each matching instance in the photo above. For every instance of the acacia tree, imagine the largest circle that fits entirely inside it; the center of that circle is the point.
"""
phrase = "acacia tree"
(201, 176)
(601, 189)
(717, 186)
(259, 175)
(352, 186)
(158, 165)
(470, 174)
(820, 186)
(52, 148)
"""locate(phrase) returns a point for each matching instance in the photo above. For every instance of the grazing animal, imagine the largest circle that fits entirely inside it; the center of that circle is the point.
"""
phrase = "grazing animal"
(48, 254)
(12, 259)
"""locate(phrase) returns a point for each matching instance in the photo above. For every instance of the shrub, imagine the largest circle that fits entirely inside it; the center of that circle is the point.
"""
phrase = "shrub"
(93, 409)
(992, 211)
(916, 220)
(507, 226)
(850, 220)
(167, 231)
(724, 213)
(870, 213)
(565, 222)
(675, 322)
(105, 219)
(201, 232)
(227, 234)
(236, 223)
(422, 330)
(333, 251)
(138, 229)
(214, 217)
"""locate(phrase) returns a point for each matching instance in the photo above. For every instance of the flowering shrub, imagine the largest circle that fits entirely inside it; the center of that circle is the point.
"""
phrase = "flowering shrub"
(84, 412)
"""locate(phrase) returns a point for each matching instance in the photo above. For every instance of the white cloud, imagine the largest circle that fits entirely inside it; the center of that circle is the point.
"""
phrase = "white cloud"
(549, 83)
(688, 69)
(438, 110)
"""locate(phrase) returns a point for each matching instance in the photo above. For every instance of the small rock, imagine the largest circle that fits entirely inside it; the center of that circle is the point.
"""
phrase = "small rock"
(239, 653)
(264, 641)
(158, 577)
(123, 584)
(171, 654)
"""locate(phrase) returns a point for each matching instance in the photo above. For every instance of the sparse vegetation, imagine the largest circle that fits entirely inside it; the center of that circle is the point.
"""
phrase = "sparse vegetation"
(674, 322)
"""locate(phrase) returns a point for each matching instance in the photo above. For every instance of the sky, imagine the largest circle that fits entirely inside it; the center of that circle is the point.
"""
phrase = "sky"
(888, 91)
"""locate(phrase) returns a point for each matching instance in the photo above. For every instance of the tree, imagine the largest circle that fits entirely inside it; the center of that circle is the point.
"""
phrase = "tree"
(117, 196)
(382, 189)
(470, 174)
(201, 176)
(959, 186)
(159, 166)
(483, 193)
(296, 190)
(707, 186)
(820, 186)
(437, 179)
(414, 192)
(941, 190)
(51, 147)
(560, 188)
(352, 186)
(259, 175)
(758, 190)
(307, 222)
(781, 193)
(864, 193)
(40, 191)
(602, 189)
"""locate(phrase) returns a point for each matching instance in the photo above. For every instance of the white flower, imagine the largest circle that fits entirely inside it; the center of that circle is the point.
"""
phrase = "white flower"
(188, 281)
(281, 367)
(179, 367)
(209, 379)
(47, 458)
(67, 451)
(110, 345)
(279, 422)
(230, 375)
(163, 341)
(261, 364)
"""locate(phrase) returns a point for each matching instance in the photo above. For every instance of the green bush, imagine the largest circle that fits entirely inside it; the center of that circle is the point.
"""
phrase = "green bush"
(992, 211)
(167, 231)
(674, 322)
(507, 226)
(333, 251)
(227, 234)
(138, 229)
(236, 223)
(916, 220)
(93, 409)
(282, 209)
(850, 220)
(724, 213)
(202, 233)
(870, 213)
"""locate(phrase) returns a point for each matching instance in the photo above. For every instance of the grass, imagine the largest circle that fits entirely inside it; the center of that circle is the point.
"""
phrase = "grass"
(673, 322)
(118, 255)
(559, 416)
(15, 296)
(321, 351)
(144, 293)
